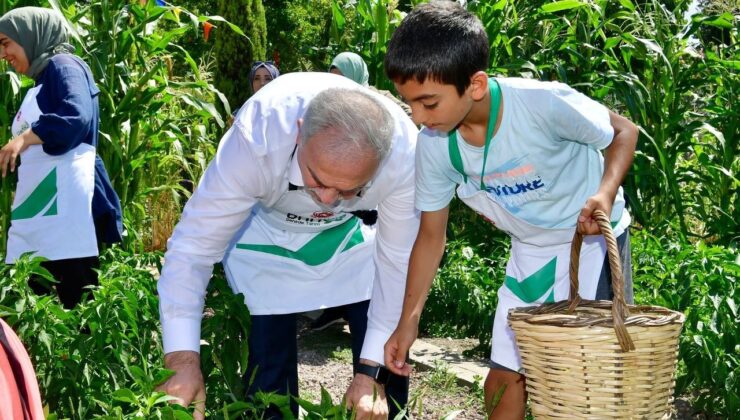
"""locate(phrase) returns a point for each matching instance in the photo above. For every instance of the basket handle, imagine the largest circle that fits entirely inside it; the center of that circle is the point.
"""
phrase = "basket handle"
(620, 311)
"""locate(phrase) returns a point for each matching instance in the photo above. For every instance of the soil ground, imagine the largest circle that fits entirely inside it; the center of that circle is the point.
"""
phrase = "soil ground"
(325, 360)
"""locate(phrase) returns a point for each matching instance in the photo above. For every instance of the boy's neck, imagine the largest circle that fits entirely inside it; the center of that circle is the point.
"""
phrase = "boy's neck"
(474, 126)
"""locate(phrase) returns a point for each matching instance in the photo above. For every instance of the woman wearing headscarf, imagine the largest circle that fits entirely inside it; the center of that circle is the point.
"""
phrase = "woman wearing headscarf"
(64, 203)
(353, 67)
(262, 73)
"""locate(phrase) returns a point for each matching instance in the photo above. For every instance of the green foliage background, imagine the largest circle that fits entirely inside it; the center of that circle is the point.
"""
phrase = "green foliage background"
(162, 115)
(235, 53)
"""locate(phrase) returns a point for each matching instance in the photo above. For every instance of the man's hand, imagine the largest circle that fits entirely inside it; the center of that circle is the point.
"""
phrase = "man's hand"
(397, 347)
(586, 224)
(367, 397)
(187, 382)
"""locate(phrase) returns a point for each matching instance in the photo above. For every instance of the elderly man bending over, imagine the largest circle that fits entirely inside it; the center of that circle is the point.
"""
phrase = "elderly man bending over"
(309, 202)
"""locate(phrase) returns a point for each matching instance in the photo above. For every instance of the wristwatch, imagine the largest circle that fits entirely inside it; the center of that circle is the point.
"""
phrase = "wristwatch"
(379, 373)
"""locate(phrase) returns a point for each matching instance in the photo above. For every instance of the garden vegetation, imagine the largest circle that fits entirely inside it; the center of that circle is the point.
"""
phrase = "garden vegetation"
(676, 77)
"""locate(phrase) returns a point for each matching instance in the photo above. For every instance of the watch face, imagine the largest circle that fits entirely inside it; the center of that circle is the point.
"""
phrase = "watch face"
(379, 373)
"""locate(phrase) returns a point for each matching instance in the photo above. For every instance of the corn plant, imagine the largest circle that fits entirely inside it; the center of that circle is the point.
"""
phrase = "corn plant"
(365, 27)
(12, 87)
(158, 119)
(713, 165)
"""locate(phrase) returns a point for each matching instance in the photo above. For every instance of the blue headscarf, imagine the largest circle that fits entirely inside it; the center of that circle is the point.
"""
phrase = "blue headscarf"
(268, 65)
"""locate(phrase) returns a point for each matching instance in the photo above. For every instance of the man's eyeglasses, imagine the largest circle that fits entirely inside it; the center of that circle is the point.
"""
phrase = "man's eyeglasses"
(344, 194)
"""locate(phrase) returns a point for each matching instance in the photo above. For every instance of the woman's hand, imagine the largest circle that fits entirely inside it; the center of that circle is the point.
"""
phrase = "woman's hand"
(9, 153)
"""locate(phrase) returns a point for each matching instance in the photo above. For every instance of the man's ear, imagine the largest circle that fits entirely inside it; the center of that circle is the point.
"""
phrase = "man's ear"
(478, 85)
(298, 136)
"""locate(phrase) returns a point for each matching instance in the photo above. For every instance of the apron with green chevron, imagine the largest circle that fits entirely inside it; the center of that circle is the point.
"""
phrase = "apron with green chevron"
(537, 269)
(51, 215)
(297, 256)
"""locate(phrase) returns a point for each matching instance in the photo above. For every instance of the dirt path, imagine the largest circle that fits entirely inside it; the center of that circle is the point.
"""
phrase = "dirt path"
(325, 359)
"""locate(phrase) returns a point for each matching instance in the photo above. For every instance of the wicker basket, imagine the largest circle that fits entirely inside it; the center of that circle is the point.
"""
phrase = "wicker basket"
(598, 359)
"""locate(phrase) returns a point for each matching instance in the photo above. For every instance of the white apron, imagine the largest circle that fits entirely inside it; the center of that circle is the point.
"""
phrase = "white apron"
(51, 215)
(537, 270)
(538, 267)
(296, 257)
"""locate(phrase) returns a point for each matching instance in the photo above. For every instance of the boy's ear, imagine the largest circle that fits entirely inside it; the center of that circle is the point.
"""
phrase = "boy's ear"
(478, 85)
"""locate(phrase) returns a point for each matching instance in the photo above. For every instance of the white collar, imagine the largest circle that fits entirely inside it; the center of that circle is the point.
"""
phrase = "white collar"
(294, 173)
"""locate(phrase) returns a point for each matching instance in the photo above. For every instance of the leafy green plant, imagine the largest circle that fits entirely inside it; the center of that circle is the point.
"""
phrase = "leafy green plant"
(298, 34)
(463, 298)
(365, 27)
(702, 282)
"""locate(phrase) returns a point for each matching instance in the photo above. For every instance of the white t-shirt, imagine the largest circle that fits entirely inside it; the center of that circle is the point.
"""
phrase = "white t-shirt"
(248, 178)
(543, 163)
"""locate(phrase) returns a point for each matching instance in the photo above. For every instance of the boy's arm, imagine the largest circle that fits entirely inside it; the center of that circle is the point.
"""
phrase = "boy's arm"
(424, 261)
(617, 161)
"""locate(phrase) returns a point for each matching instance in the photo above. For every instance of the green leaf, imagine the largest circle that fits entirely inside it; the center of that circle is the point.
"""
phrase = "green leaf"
(724, 21)
(559, 6)
(612, 42)
(125, 395)
(45, 339)
(627, 4)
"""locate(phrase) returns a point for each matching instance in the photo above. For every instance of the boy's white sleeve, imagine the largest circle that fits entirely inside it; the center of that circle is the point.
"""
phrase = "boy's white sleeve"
(436, 179)
(576, 117)
(398, 225)
(219, 206)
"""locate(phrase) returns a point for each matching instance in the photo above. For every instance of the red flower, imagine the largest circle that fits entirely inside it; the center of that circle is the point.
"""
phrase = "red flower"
(207, 26)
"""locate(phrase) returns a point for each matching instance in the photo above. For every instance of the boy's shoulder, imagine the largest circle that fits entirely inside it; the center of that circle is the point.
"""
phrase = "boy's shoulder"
(533, 86)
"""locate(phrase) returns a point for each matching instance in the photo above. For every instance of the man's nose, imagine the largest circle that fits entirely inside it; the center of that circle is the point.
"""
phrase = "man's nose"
(327, 195)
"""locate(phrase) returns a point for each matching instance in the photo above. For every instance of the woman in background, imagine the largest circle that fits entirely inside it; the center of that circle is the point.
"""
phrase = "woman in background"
(262, 73)
(353, 67)
(64, 203)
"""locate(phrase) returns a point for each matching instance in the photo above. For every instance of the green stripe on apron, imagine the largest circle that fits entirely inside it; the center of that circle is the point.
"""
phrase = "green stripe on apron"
(39, 199)
(533, 287)
(321, 248)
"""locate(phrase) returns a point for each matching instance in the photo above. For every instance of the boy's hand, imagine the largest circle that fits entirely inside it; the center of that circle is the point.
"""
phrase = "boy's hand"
(586, 224)
(397, 347)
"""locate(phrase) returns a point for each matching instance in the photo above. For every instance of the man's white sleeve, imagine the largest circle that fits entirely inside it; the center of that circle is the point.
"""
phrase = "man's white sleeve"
(398, 225)
(231, 185)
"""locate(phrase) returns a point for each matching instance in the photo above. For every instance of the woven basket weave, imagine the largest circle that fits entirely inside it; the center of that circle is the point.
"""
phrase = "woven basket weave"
(587, 359)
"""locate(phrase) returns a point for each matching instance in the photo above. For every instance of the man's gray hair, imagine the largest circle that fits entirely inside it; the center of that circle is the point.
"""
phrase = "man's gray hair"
(353, 116)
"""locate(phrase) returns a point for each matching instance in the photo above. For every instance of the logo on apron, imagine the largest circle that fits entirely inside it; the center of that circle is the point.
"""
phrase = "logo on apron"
(318, 250)
(43, 197)
(533, 287)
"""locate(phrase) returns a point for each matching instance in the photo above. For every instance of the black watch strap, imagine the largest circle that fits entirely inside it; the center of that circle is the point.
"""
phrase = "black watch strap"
(379, 374)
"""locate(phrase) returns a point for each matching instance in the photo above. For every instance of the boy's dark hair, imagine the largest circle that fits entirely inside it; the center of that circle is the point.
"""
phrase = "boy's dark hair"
(439, 41)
